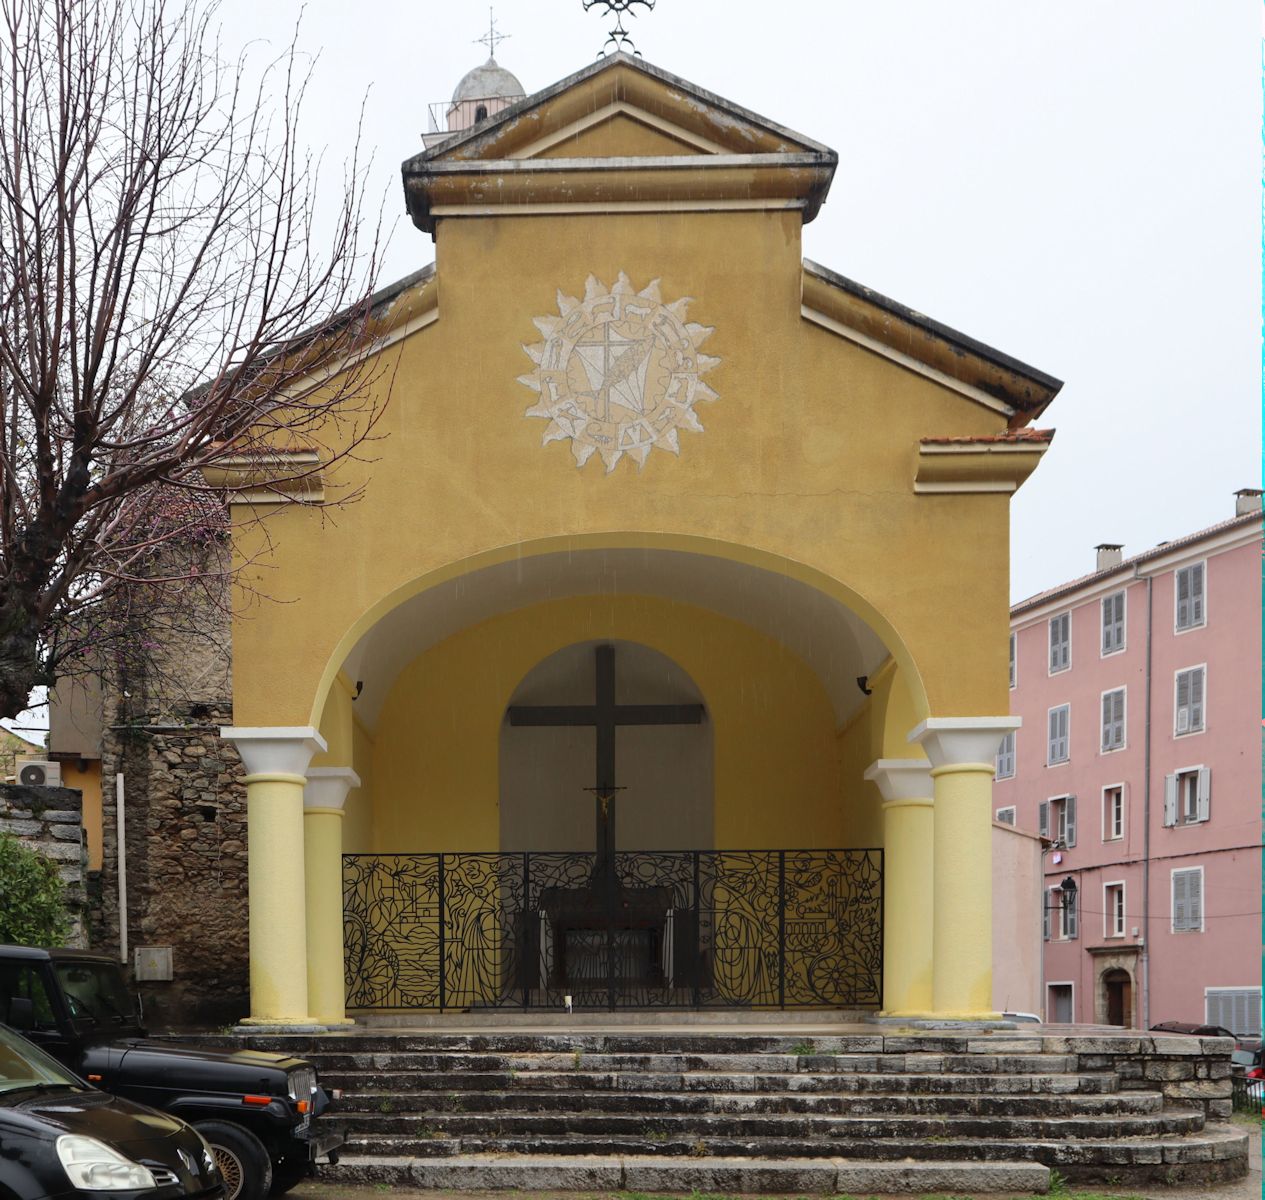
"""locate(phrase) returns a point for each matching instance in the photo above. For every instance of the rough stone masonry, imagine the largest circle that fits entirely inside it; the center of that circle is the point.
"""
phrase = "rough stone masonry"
(50, 820)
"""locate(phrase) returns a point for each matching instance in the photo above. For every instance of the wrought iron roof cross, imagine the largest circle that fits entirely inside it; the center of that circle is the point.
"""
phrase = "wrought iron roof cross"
(618, 38)
(490, 38)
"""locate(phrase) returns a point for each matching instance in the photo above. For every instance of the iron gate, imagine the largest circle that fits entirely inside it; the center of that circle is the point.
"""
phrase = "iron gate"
(671, 929)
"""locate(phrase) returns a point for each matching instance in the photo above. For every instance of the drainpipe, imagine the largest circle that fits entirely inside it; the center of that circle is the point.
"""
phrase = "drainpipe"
(120, 815)
(1146, 827)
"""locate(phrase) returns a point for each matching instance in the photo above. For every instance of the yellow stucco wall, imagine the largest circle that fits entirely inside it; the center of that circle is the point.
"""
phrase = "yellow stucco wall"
(877, 730)
(808, 455)
(435, 772)
(88, 782)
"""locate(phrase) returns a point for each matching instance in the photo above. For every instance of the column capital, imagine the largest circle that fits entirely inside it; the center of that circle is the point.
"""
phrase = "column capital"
(274, 749)
(951, 741)
(901, 779)
(327, 788)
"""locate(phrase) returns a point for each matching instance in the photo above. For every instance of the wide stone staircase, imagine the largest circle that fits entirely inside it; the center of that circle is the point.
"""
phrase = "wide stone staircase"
(877, 1111)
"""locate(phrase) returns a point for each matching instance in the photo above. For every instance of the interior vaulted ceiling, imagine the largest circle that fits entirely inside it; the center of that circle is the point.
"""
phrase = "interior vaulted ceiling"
(835, 643)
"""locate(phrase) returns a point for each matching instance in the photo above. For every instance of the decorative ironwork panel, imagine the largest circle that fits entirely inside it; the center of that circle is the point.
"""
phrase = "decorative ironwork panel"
(672, 929)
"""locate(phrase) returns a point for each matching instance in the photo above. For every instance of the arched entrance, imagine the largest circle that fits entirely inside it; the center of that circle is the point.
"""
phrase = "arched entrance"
(1117, 997)
(493, 860)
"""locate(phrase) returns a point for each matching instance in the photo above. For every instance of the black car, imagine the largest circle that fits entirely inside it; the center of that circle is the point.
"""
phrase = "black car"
(256, 1110)
(1192, 1029)
(60, 1137)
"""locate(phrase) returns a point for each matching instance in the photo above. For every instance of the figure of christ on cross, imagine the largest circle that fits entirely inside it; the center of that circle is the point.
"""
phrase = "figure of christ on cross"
(606, 716)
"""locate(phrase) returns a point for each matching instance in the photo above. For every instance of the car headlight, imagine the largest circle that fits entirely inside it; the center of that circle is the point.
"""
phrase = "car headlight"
(302, 1086)
(92, 1166)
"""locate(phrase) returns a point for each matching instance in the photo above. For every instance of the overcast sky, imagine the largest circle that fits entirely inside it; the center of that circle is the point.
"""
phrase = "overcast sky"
(1075, 183)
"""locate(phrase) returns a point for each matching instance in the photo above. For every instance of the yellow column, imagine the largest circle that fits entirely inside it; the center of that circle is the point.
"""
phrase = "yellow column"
(323, 801)
(963, 752)
(276, 762)
(908, 909)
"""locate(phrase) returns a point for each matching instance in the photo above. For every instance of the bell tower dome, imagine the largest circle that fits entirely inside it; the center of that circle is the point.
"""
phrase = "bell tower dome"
(482, 93)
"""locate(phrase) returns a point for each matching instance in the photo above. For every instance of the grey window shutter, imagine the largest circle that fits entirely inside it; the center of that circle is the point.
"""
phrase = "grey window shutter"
(1013, 652)
(1182, 724)
(1204, 795)
(1070, 915)
(1197, 698)
(1105, 738)
(1170, 799)
(1181, 916)
(1069, 818)
(1197, 594)
(1195, 899)
(1043, 818)
(1183, 598)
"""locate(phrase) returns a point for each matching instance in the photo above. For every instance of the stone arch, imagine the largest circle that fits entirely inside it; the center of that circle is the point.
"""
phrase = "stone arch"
(778, 567)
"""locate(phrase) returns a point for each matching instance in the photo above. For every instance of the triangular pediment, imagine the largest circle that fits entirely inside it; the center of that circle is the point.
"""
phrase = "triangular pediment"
(618, 130)
(584, 106)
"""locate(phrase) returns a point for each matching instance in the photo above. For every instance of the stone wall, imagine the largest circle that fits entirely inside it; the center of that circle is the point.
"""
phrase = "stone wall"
(49, 819)
(185, 811)
(1191, 1072)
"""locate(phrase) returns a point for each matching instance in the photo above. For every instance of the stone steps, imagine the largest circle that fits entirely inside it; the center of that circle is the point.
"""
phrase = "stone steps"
(965, 1111)
(1088, 1158)
(654, 1173)
(692, 1126)
(862, 1103)
(496, 1082)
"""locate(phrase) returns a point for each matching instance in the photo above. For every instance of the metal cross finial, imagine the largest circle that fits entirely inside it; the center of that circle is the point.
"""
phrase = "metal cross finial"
(618, 38)
(490, 38)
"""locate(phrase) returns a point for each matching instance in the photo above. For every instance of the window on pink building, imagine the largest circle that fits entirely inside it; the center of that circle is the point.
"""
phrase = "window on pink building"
(1113, 812)
(1113, 720)
(1005, 768)
(1060, 642)
(1113, 623)
(1058, 743)
(1188, 705)
(1113, 910)
(1188, 900)
(1188, 591)
(1188, 796)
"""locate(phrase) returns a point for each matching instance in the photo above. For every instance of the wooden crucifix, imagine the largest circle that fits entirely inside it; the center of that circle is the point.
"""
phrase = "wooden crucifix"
(606, 716)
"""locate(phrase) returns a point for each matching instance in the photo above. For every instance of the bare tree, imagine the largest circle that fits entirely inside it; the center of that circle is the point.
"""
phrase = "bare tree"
(166, 321)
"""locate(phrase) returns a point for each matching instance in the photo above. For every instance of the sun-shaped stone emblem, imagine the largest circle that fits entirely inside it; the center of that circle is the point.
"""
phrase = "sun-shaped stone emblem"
(618, 372)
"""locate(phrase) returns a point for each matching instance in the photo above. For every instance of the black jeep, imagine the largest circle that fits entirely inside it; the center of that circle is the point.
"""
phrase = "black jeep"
(255, 1110)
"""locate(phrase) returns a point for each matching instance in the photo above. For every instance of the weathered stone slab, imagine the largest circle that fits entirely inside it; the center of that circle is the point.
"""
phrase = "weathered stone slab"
(952, 1177)
(1181, 1046)
(1160, 1070)
(729, 1175)
(578, 1173)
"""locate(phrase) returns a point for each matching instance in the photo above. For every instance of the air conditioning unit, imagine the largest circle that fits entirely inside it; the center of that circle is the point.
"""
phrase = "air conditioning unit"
(38, 772)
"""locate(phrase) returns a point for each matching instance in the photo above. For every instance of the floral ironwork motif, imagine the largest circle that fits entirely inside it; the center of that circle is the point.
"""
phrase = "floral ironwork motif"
(755, 928)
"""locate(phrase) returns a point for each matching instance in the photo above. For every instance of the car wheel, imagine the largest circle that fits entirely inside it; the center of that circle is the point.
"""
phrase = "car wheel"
(288, 1173)
(241, 1158)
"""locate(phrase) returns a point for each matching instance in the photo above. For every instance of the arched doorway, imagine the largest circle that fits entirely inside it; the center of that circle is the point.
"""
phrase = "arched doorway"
(1117, 989)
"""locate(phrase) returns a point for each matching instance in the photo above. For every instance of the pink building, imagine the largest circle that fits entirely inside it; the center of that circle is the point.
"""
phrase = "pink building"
(1140, 757)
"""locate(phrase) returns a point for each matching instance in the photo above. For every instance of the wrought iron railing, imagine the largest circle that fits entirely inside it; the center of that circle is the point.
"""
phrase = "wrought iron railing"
(1247, 1095)
(671, 929)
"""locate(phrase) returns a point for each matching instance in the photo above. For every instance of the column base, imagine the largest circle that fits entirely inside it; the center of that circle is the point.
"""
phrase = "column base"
(337, 1022)
(957, 1018)
(280, 1025)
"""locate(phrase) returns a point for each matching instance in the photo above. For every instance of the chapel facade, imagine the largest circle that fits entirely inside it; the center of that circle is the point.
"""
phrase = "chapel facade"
(663, 660)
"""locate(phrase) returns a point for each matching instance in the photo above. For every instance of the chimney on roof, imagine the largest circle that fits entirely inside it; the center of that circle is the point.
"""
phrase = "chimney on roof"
(1247, 500)
(1109, 555)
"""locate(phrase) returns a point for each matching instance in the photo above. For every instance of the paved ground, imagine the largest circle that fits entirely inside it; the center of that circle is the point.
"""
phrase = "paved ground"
(1250, 1188)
